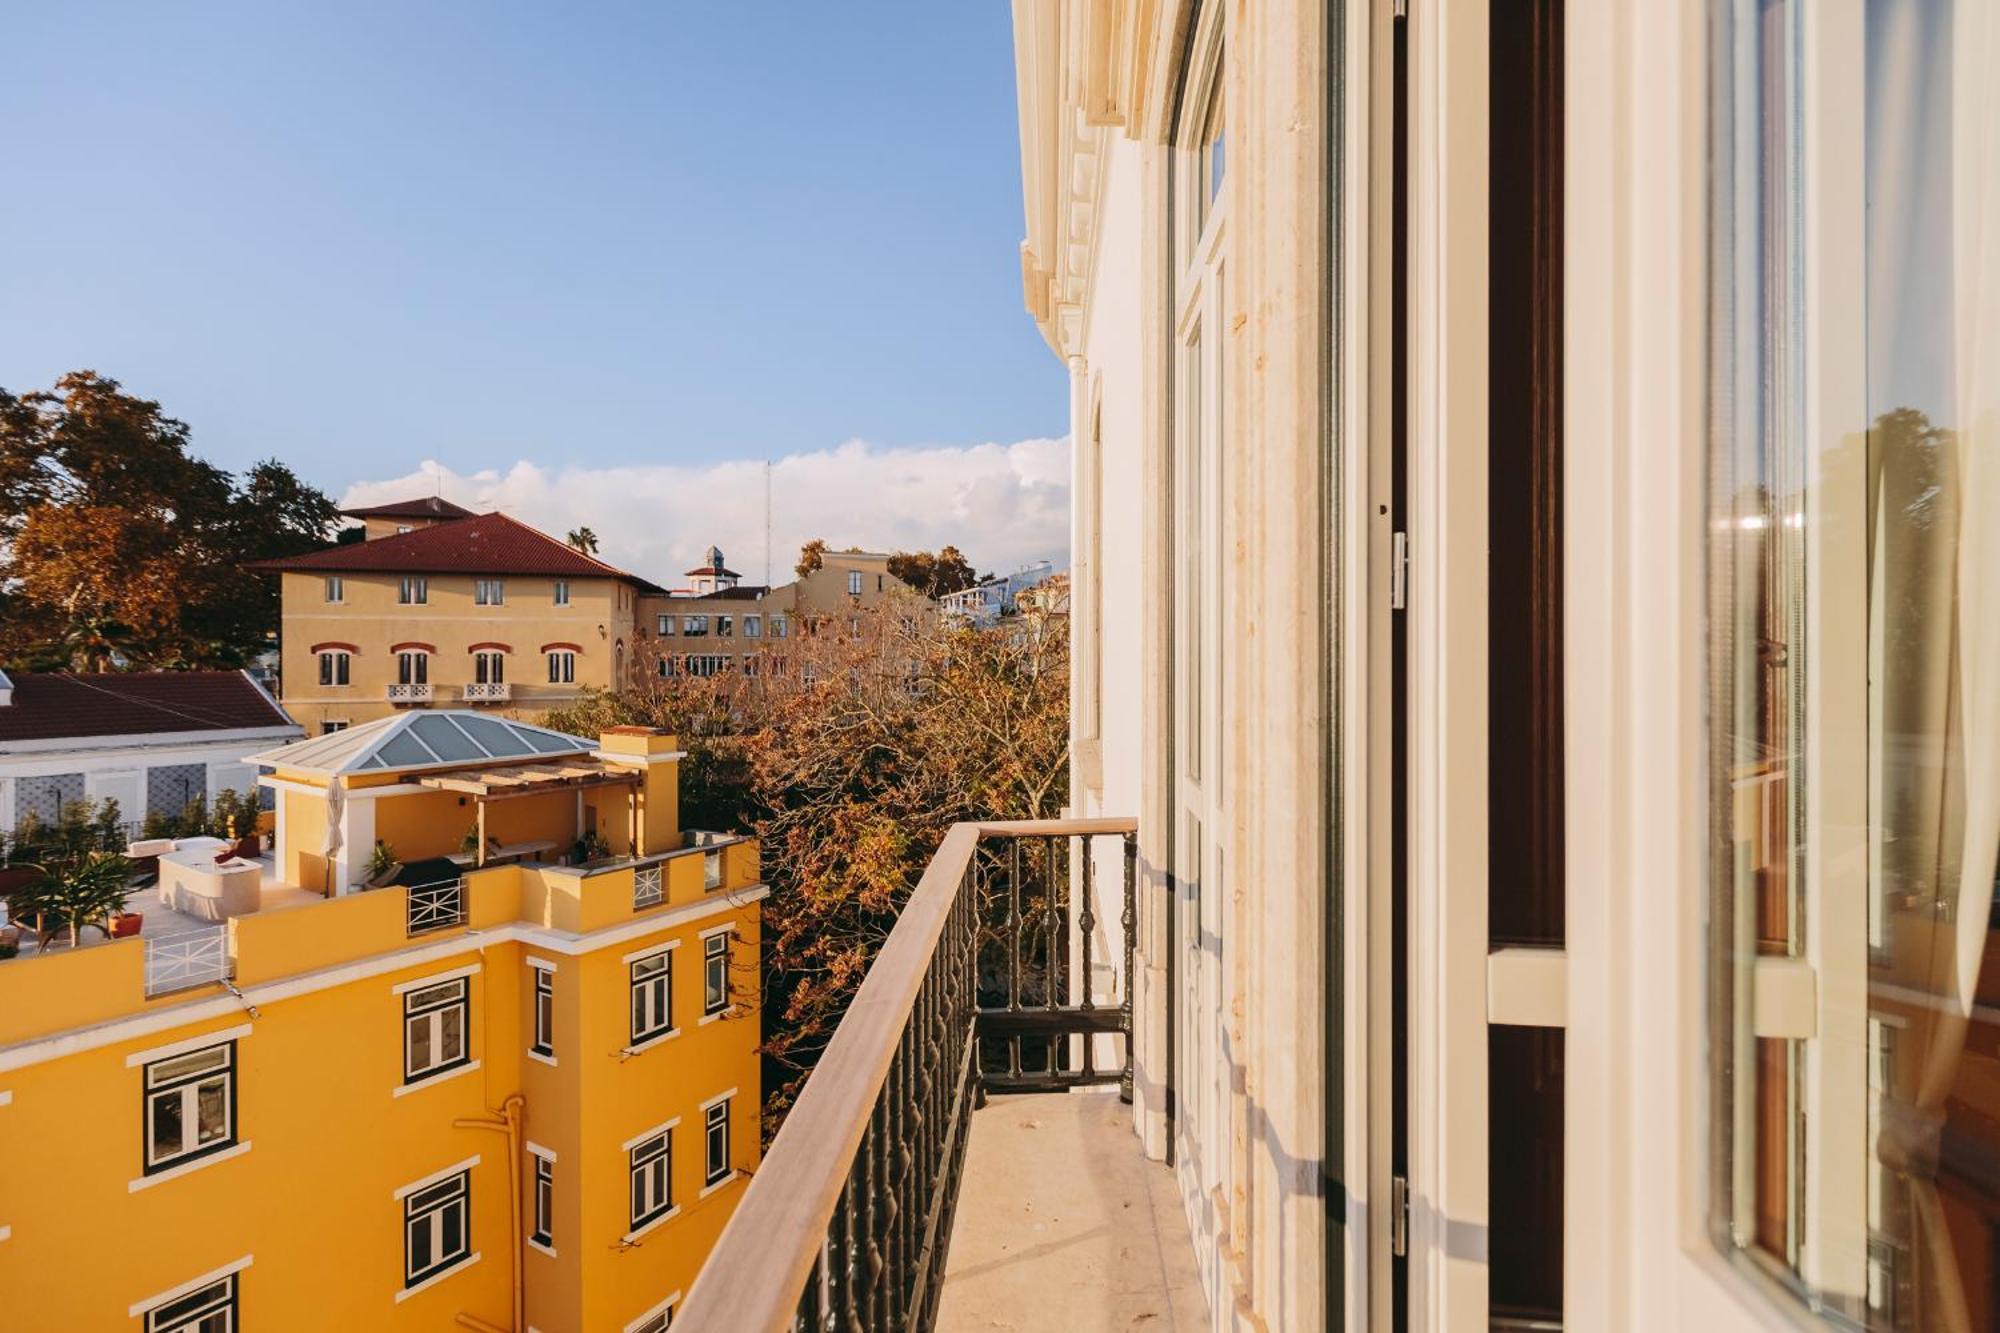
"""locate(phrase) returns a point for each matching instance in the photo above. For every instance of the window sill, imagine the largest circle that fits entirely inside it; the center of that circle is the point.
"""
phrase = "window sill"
(534, 1244)
(432, 1080)
(176, 1172)
(542, 1056)
(632, 1237)
(731, 1012)
(437, 1277)
(723, 1183)
(651, 1042)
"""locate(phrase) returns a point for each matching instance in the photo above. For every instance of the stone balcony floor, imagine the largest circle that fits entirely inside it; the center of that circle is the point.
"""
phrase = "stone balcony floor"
(1063, 1223)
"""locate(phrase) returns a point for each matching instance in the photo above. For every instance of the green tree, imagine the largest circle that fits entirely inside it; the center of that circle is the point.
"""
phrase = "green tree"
(584, 540)
(83, 889)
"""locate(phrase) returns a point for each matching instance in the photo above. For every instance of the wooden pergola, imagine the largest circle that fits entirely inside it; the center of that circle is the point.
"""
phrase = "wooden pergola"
(517, 780)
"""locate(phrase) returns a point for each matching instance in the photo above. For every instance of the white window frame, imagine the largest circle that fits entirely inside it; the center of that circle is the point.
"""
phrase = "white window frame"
(780, 627)
(489, 592)
(562, 666)
(853, 583)
(694, 627)
(753, 627)
(413, 667)
(425, 1208)
(649, 1171)
(542, 1193)
(336, 669)
(561, 593)
(162, 1086)
(426, 1006)
(489, 667)
(666, 626)
(714, 961)
(413, 590)
(652, 996)
(715, 1132)
(542, 1040)
(218, 1292)
(656, 1320)
(335, 589)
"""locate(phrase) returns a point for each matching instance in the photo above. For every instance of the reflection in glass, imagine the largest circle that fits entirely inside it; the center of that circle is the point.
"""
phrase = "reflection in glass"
(1854, 559)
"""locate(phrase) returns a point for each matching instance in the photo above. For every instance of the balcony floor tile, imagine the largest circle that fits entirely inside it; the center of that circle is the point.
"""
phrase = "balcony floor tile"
(1062, 1222)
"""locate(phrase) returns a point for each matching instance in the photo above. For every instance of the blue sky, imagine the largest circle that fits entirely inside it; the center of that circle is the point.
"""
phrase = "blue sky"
(361, 236)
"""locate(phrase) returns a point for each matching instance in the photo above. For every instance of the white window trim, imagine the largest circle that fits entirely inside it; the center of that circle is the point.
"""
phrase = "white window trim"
(547, 1154)
(654, 1313)
(6, 1233)
(722, 1182)
(726, 928)
(540, 1057)
(653, 1133)
(151, 1303)
(405, 987)
(468, 1261)
(542, 964)
(432, 1080)
(7, 1096)
(717, 1098)
(152, 1053)
(727, 1011)
(649, 951)
(549, 1250)
(165, 1174)
(632, 1237)
(650, 1042)
(434, 1177)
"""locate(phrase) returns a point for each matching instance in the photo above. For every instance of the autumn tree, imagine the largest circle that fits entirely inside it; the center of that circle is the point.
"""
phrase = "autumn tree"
(947, 571)
(122, 547)
(812, 556)
(850, 751)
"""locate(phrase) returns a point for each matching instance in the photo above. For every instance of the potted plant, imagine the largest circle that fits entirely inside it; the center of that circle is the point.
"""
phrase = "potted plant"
(590, 847)
(382, 865)
(86, 889)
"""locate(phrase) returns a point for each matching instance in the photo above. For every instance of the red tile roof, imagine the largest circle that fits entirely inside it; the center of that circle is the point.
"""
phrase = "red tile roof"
(429, 506)
(482, 544)
(62, 705)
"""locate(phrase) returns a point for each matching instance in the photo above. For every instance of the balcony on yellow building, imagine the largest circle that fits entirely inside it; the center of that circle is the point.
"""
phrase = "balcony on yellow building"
(465, 926)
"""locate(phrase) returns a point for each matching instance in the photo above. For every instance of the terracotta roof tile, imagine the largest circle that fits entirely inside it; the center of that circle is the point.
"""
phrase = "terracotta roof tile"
(482, 544)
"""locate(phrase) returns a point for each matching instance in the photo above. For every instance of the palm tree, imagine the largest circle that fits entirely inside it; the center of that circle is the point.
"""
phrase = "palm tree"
(584, 540)
(78, 891)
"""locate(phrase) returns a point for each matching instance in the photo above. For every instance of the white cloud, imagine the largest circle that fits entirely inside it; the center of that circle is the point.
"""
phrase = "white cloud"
(1002, 504)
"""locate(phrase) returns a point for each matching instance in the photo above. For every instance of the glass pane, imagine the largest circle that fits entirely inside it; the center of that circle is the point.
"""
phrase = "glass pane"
(420, 1045)
(1854, 556)
(169, 1134)
(212, 1112)
(452, 1042)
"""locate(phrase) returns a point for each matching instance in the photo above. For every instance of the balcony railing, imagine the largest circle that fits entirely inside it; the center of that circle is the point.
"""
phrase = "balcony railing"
(488, 692)
(409, 694)
(649, 886)
(436, 906)
(176, 962)
(990, 980)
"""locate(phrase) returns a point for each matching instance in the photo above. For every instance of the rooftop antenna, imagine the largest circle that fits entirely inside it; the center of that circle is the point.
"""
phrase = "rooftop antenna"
(767, 523)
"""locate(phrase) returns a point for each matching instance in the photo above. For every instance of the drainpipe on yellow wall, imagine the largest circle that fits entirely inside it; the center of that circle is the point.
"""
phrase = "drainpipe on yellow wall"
(508, 1122)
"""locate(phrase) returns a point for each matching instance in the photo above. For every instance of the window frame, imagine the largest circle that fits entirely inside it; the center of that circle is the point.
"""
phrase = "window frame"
(562, 666)
(753, 626)
(335, 590)
(413, 590)
(458, 996)
(649, 1178)
(189, 1310)
(853, 583)
(336, 669)
(560, 592)
(489, 667)
(489, 592)
(542, 1039)
(430, 1204)
(413, 668)
(714, 1128)
(187, 1087)
(666, 626)
(780, 627)
(715, 951)
(542, 1192)
(650, 993)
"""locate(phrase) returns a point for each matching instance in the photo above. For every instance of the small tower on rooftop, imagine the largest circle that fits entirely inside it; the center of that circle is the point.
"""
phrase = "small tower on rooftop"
(712, 576)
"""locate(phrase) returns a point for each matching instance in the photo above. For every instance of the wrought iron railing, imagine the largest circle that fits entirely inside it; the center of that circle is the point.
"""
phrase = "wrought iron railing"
(437, 906)
(176, 962)
(994, 978)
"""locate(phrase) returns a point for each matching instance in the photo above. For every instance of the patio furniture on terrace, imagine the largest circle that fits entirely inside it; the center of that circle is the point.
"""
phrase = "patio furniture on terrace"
(194, 881)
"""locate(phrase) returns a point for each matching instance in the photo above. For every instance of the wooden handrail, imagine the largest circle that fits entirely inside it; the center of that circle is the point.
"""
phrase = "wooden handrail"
(764, 1257)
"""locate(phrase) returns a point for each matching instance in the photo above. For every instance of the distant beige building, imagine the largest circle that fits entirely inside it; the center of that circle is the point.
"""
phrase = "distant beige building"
(719, 623)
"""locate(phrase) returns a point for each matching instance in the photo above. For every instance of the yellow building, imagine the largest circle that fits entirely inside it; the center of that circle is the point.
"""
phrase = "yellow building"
(521, 1095)
(440, 607)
